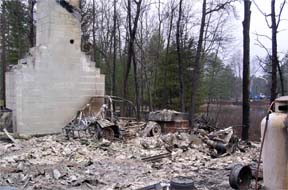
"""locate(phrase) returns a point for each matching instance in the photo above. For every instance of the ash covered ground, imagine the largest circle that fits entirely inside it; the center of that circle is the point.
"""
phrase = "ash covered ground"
(53, 162)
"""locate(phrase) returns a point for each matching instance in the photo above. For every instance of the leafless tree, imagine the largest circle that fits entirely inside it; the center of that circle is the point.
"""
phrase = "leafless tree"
(32, 36)
(196, 69)
(3, 51)
(114, 48)
(132, 29)
(274, 25)
(94, 30)
(179, 33)
(170, 27)
(246, 70)
(86, 23)
(197, 64)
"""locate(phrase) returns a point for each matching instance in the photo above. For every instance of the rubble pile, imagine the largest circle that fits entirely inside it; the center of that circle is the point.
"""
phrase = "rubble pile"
(167, 115)
(53, 162)
(202, 121)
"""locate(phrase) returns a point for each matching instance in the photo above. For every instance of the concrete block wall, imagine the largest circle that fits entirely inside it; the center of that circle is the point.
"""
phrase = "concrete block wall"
(46, 88)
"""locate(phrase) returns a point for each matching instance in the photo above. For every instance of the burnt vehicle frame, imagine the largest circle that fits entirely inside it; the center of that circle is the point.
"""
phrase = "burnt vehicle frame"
(100, 122)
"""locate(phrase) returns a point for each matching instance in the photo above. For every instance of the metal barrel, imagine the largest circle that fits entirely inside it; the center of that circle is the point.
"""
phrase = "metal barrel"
(240, 177)
(182, 183)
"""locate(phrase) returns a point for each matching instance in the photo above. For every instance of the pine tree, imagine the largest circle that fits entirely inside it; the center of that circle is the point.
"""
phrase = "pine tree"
(17, 29)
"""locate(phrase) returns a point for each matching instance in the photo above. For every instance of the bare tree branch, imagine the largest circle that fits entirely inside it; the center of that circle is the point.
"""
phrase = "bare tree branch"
(263, 13)
(263, 35)
(220, 6)
(261, 45)
(280, 13)
(261, 64)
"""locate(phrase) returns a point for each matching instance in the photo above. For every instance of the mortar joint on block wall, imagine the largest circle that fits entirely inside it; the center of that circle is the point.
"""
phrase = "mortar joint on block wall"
(55, 55)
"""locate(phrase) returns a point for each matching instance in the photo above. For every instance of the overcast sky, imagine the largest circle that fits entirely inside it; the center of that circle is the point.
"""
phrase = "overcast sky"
(258, 25)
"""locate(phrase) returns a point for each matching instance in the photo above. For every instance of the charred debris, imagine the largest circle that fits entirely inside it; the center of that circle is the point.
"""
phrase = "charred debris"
(100, 148)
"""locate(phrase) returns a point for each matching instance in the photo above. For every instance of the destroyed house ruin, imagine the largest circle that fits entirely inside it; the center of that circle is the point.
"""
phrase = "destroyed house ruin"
(55, 79)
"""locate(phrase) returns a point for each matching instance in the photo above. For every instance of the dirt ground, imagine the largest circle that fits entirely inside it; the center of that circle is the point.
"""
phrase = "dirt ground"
(52, 162)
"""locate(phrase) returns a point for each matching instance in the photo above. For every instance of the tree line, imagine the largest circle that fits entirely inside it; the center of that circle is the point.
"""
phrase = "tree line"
(170, 54)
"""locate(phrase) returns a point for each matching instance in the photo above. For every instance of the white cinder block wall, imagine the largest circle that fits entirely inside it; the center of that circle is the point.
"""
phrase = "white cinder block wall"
(56, 79)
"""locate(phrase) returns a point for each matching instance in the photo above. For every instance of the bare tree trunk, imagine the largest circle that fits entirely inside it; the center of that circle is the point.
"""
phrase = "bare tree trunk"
(130, 47)
(19, 43)
(166, 91)
(246, 71)
(114, 50)
(31, 22)
(274, 57)
(119, 42)
(274, 53)
(136, 85)
(149, 84)
(146, 84)
(180, 69)
(158, 52)
(142, 70)
(211, 87)
(275, 44)
(94, 31)
(3, 54)
(196, 71)
(131, 52)
(281, 79)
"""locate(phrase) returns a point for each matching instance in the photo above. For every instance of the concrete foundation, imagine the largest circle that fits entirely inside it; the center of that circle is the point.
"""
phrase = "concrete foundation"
(56, 79)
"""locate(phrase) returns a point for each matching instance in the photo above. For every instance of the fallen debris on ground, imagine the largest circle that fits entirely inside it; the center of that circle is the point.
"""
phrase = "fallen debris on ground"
(52, 162)
(107, 152)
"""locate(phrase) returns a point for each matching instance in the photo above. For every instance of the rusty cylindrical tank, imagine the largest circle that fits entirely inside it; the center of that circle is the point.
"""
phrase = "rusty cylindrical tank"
(275, 148)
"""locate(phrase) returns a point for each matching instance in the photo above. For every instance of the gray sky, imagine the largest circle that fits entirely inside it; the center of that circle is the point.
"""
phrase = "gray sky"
(258, 25)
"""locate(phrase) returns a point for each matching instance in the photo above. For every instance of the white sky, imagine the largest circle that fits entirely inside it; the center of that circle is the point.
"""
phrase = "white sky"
(258, 25)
